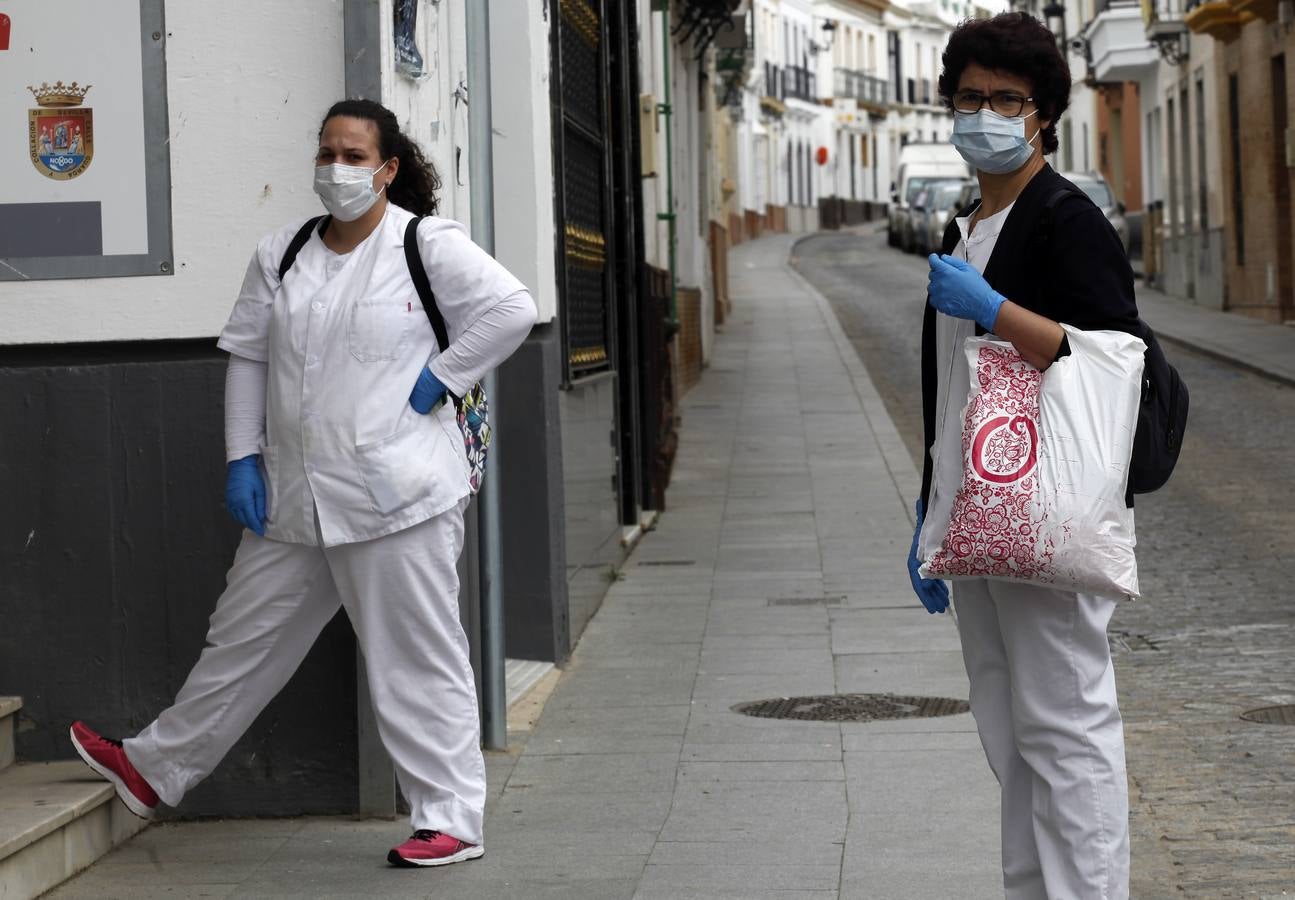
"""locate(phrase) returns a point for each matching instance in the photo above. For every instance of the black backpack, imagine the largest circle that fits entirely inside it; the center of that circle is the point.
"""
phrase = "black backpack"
(1162, 414)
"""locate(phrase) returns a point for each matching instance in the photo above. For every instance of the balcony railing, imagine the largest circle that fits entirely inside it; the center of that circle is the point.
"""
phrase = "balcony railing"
(799, 83)
(862, 87)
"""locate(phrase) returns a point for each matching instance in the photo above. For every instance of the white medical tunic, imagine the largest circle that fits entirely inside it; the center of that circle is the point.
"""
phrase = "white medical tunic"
(345, 338)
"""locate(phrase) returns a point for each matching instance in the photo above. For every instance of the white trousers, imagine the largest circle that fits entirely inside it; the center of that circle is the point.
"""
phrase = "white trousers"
(401, 594)
(1043, 696)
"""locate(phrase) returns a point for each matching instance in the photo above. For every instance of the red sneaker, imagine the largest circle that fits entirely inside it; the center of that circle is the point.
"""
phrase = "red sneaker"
(106, 757)
(432, 848)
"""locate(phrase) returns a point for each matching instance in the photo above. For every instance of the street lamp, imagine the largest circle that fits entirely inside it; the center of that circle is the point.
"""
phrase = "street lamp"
(1172, 39)
(1054, 16)
(829, 28)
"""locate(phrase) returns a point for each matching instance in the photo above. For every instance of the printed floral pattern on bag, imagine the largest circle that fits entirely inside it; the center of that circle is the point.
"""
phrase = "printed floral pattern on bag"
(996, 528)
(474, 423)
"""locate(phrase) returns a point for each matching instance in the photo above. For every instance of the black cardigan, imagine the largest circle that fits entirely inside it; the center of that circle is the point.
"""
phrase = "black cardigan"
(1071, 268)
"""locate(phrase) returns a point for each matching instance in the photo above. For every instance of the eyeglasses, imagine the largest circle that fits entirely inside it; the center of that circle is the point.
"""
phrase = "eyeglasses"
(1005, 103)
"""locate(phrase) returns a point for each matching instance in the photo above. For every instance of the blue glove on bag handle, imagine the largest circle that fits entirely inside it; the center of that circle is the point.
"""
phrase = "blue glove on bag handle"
(245, 493)
(426, 392)
(933, 592)
(957, 289)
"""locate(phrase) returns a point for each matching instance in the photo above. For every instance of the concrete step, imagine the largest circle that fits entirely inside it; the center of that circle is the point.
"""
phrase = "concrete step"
(55, 820)
(9, 707)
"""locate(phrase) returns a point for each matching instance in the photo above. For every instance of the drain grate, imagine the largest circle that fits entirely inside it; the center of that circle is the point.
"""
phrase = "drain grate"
(1271, 715)
(853, 707)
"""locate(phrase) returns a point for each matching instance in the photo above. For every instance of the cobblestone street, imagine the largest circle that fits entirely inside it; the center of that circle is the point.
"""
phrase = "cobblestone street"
(1213, 796)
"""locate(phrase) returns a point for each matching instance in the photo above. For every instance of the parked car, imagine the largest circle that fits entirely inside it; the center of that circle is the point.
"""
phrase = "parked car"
(931, 211)
(904, 215)
(1092, 184)
(969, 194)
(918, 163)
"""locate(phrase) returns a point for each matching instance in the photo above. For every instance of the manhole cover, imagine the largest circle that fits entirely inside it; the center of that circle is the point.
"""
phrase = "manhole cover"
(853, 707)
(1271, 715)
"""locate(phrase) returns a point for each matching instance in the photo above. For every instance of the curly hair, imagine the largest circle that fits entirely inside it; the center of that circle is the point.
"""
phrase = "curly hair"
(416, 183)
(1017, 43)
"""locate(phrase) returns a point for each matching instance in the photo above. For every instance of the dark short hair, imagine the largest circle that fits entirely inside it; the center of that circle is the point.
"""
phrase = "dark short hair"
(1017, 43)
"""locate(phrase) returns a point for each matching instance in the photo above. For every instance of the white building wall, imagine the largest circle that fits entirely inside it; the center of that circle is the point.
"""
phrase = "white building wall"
(656, 233)
(523, 149)
(1078, 140)
(245, 106)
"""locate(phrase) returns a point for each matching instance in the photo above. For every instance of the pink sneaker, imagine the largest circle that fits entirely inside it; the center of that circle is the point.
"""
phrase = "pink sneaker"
(432, 848)
(106, 757)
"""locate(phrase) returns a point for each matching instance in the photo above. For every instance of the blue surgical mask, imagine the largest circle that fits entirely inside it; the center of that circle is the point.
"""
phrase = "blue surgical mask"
(992, 143)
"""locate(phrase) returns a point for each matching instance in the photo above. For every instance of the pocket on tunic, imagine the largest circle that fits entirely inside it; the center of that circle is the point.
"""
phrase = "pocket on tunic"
(378, 328)
(401, 469)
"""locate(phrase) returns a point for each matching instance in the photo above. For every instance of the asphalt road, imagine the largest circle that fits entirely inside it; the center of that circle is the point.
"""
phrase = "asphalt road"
(1213, 796)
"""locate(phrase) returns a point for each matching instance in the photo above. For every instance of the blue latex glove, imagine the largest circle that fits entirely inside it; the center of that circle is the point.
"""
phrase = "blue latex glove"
(426, 392)
(957, 289)
(245, 493)
(933, 592)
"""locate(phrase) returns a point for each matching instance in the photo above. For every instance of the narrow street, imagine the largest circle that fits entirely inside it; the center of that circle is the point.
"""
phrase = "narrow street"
(1213, 796)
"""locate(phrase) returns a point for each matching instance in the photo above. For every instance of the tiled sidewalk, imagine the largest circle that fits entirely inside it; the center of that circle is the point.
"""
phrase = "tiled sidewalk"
(1259, 346)
(778, 570)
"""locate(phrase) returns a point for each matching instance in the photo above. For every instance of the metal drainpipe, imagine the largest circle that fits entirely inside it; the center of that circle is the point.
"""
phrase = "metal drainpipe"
(481, 174)
(667, 112)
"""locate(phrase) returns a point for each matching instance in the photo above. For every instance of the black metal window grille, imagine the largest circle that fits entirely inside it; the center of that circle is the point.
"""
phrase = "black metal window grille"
(1238, 202)
(800, 83)
(1202, 182)
(587, 291)
(1185, 136)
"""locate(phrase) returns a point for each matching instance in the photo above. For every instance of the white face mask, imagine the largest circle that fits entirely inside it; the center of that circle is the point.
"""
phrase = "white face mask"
(347, 191)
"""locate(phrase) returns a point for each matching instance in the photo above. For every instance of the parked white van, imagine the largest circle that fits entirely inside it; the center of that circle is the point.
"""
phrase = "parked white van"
(919, 164)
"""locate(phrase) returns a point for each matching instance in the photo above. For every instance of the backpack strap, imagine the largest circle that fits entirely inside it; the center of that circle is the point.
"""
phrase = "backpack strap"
(1043, 231)
(418, 274)
(298, 241)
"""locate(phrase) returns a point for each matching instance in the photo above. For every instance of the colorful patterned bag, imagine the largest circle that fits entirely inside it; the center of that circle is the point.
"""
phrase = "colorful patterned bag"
(474, 423)
(1045, 468)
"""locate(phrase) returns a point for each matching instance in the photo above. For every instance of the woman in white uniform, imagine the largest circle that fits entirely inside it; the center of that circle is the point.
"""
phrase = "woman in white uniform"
(348, 469)
(1034, 252)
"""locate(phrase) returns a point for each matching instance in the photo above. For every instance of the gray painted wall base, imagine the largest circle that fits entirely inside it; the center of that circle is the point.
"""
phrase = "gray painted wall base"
(1199, 260)
(533, 500)
(114, 548)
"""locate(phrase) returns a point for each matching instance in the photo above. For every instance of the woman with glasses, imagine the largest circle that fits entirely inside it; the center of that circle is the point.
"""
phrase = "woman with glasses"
(1032, 253)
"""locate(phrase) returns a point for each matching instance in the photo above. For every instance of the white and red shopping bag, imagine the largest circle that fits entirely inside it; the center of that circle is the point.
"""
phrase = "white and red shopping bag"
(1045, 468)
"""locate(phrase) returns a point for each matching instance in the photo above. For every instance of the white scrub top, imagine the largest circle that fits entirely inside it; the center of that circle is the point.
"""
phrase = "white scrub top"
(345, 338)
(954, 384)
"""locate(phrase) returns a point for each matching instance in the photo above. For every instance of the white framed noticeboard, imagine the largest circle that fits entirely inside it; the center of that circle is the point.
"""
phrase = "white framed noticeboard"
(83, 139)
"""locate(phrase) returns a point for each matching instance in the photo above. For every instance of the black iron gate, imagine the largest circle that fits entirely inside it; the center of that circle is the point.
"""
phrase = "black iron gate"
(583, 163)
(611, 323)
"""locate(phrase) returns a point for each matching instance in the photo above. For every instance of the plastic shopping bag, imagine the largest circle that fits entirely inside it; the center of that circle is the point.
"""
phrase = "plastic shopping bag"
(1045, 468)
